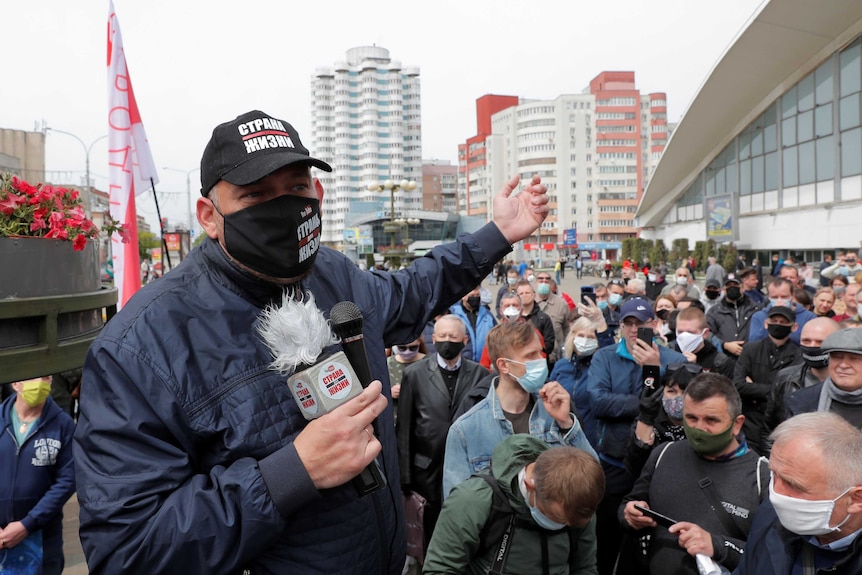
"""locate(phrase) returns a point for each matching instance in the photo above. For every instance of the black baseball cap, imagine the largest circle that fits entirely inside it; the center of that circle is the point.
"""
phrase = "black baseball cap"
(251, 147)
(783, 311)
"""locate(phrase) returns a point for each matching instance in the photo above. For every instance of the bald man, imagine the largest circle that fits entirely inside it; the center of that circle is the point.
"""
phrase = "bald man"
(813, 370)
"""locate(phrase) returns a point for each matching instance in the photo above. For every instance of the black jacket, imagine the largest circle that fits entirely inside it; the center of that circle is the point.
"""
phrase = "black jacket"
(425, 412)
(787, 381)
(710, 359)
(730, 321)
(545, 326)
(760, 361)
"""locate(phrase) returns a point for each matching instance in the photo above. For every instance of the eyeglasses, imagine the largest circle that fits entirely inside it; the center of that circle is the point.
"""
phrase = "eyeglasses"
(414, 347)
(544, 278)
(617, 282)
(692, 368)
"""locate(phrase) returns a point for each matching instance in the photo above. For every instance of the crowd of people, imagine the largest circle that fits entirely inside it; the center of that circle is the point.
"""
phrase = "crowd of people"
(624, 431)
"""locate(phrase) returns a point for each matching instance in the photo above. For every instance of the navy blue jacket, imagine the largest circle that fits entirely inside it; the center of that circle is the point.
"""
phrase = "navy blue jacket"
(772, 550)
(184, 447)
(36, 481)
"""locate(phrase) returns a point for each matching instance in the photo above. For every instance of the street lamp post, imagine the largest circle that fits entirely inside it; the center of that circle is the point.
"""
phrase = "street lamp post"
(392, 187)
(188, 174)
(87, 150)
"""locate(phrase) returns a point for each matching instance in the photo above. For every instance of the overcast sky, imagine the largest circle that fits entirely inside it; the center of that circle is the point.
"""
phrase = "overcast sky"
(197, 63)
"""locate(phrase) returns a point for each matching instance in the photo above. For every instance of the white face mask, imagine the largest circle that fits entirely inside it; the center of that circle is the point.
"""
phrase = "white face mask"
(651, 277)
(802, 516)
(511, 313)
(586, 345)
(531, 278)
(688, 342)
(682, 280)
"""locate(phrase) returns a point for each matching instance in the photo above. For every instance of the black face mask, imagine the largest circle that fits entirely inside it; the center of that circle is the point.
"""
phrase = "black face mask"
(778, 331)
(712, 294)
(474, 302)
(662, 314)
(449, 350)
(279, 238)
(814, 357)
(733, 293)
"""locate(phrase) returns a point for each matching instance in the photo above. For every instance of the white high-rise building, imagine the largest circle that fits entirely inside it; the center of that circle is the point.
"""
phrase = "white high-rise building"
(594, 151)
(366, 123)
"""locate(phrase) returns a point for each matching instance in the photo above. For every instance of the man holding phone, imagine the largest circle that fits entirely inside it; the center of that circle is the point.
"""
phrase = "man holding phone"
(617, 380)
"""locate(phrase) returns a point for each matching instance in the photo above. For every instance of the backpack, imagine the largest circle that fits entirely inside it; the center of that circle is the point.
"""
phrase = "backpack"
(496, 530)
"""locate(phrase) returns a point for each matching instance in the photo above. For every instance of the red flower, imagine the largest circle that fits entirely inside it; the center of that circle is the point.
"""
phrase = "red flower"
(79, 242)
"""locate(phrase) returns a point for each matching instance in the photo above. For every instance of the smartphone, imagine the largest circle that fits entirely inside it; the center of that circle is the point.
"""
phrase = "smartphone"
(587, 291)
(645, 334)
(662, 520)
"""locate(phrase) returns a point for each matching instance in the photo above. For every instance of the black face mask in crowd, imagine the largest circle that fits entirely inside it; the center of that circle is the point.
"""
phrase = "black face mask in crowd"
(712, 294)
(733, 293)
(474, 302)
(449, 350)
(779, 331)
(814, 357)
(279, 238)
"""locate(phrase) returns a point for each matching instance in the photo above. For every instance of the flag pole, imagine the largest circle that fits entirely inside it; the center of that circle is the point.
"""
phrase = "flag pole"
(162, 229)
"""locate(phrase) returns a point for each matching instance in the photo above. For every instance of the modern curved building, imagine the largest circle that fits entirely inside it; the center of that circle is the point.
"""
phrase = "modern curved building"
(769, 153)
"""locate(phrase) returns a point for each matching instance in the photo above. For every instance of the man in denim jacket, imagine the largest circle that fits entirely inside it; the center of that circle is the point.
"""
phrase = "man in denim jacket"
(519, 402)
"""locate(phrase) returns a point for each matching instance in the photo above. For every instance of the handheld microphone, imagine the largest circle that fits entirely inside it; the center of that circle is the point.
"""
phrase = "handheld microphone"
(346, 320)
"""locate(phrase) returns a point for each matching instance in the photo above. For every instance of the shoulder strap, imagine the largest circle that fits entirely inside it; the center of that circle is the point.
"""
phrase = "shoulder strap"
(660, 455)
(730, 527)
(500, 521)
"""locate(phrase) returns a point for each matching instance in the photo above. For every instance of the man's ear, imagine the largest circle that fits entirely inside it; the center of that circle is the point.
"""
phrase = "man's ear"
(737, 424)
(207, 217)
(318, 187)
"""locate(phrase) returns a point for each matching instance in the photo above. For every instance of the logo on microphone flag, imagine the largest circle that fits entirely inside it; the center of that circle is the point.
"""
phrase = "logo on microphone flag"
(131, 168)
(324, 386)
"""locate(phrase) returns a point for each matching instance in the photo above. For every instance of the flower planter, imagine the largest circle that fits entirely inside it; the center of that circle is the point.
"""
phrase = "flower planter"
(52, 305)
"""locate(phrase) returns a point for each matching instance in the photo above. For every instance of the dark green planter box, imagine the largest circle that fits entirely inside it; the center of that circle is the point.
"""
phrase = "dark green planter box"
(52, 306)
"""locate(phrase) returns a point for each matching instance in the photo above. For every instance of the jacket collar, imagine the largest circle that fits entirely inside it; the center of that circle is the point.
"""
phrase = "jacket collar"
(239, 281)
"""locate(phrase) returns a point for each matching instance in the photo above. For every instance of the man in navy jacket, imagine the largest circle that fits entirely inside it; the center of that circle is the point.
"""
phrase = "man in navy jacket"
(192, 455)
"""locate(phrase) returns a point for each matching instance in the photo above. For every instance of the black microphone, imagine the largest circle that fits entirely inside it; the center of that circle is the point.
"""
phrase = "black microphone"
(346, 320)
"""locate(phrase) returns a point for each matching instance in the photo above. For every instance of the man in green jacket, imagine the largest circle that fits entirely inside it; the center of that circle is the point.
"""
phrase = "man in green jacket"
(553, 494)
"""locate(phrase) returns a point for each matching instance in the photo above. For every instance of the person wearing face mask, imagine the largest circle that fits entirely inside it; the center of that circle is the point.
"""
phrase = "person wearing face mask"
(849, 297)
(730, 320)
(663, 306)
(511, 306)
(588, 333)
(431, 390)
(478, 320)
(813, 370)
(694, 341)
(683, 277)
(813, 519)
(841, 392)
(711, 294)
(609, 298)
(615, 385)
(654, 283)
(546, 495)
(847, 265)
(402, 356)
(520, 400)
(711, 483)
(555, 308)
(186, 415)
(37, 473)
(758, 366)
(659, 414)
(780, 291)
(508, 286)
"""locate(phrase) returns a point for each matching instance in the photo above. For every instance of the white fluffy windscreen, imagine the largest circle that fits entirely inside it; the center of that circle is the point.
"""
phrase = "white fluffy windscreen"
(296, 332)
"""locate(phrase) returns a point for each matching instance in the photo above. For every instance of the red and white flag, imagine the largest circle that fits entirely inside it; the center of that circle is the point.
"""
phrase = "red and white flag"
(130, 164)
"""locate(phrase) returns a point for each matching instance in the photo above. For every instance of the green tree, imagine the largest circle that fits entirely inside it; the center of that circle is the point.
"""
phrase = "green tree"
(730, 256)
(658, 253)
(146, 242)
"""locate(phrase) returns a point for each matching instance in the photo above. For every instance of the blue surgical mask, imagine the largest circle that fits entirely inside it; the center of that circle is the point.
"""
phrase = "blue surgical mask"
(535, 376)
(614, 299)
(780, 302)
(540, 518)
(603, 305)
(543, 289)
(511, 281)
